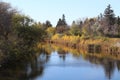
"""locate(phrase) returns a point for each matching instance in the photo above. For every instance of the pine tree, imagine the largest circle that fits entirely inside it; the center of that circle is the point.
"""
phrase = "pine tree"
(63, 20)
(109, 22)
(109, 15)
(61, 26)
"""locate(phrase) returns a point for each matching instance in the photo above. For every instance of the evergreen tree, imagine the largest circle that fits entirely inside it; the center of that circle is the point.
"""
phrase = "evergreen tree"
(63, 20)
(109, 21)
(61, 26)
(109, 15)
(46, 25)
(59, 22)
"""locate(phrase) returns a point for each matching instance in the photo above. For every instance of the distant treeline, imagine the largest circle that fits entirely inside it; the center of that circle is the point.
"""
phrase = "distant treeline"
(105, 24)
(14, 24)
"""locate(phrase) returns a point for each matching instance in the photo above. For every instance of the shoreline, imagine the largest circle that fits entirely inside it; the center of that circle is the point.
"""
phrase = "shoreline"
(107, 46)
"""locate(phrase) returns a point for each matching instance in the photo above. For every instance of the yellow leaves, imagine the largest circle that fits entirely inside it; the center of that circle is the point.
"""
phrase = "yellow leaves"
(65, 38)
(50, 29)
(75, 39)
(72, 39)
(55, 37)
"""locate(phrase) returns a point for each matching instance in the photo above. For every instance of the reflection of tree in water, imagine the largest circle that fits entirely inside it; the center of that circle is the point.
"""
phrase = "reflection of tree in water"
(107, 64)
(28, 66)
(62, 54)
(118, 65)
(109, 68)
(45, 55)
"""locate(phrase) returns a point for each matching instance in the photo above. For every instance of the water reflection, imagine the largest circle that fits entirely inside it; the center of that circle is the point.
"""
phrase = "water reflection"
(94, 48)
(27, 67)
(107, 64)
(62, 54)
(34, 66)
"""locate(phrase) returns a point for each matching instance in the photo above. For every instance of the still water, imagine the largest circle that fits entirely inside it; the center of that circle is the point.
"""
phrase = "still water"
(57, 63)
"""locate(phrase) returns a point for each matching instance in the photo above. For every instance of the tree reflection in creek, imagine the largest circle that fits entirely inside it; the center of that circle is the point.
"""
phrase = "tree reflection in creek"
(94, 57)
(26, 68)
(107, 64)
(29, 66)
(62, 53)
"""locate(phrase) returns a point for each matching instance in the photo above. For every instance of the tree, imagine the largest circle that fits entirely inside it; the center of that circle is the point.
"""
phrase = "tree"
(6, 14)
(109, 15)
(118, 20)
(118, 25)
(20, 20)
(61, 26)
(30, 34)
(27, 30)
(50, 32)
(109, 21)
(63, 20)
(75, 29)
(46, 25)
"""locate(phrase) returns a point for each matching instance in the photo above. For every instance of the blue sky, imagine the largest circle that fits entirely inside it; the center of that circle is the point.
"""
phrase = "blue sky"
(42, 10)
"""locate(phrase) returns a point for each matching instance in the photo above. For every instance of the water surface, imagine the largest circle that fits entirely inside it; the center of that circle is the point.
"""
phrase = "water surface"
(59, 64)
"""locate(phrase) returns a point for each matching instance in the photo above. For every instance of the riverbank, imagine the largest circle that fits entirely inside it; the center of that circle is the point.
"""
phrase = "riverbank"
(104, 44)
(63, 50)
(85, 53)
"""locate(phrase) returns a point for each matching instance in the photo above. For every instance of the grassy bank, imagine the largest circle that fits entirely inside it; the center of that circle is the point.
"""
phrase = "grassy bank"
(107, 45)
